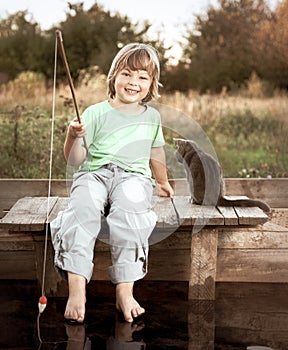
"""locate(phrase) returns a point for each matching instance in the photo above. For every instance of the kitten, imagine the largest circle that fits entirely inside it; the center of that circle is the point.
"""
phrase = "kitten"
(205, 179)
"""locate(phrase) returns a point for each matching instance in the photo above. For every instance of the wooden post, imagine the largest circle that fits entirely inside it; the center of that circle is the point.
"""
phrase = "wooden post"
(201, 325)
(203, 264)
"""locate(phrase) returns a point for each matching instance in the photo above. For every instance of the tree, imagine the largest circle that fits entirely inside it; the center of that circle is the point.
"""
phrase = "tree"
(221, 48)
(20, 39)
(91, 37)
(273, 48)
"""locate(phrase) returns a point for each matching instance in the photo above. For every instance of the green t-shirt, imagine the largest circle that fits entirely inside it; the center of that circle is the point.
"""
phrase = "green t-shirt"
(125, 140)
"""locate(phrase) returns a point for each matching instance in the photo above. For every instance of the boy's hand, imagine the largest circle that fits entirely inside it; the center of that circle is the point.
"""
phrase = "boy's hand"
(165, 190)
(76, 129)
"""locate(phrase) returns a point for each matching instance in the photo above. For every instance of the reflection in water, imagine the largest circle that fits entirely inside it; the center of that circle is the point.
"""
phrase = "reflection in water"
(123, 337)
(201, 324)
(244, 317)
(121, 340)
(76, 338)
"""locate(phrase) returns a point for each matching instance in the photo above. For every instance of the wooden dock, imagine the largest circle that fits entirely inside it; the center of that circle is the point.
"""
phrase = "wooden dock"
(210, 245)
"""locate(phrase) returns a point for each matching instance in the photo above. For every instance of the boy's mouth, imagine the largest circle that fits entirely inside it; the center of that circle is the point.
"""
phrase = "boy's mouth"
(131, 91)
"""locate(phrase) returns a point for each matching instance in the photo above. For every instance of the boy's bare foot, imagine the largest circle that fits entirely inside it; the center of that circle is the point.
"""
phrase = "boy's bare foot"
(75, 307)
(126, 303)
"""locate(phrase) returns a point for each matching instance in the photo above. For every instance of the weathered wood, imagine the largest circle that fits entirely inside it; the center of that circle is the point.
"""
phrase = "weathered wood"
(252, 265)
(261, 237)
(229, 214)
(250, 216)
(13, 189)
(15, 242)
(203, 264)
(173, 265)
(272, 191)
(17, 265)
(52, 278)
(183, 206)
(28, 214)
(196, 215)
(181, 253)
(280, 216)
(170, 259)
(165, 212)
(61, 204)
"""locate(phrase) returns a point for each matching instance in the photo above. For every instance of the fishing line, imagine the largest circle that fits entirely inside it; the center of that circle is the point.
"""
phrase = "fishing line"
(43, 300)
(59, 41)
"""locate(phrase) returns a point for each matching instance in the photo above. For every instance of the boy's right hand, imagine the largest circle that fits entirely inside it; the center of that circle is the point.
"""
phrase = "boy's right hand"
(76, 129)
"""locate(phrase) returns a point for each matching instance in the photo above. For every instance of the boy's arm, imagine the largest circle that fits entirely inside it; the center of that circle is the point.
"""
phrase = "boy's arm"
(159, 171)
(74, 152)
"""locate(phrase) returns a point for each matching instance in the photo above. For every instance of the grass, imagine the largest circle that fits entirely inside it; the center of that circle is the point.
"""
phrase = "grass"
(249, 134)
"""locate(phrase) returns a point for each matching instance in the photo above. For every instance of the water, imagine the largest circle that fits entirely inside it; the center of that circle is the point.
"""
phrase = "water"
(244, 316)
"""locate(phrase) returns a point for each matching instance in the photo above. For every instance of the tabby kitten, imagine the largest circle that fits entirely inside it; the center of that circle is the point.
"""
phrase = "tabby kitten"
(204, 175)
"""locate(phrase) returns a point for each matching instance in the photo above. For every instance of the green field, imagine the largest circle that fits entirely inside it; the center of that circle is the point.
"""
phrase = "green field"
(249, 134)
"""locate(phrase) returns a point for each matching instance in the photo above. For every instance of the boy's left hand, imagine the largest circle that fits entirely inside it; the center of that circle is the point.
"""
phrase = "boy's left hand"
(165, 190)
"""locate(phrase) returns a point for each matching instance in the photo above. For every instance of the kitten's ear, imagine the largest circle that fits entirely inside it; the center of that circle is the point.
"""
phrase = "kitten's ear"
(177, 141)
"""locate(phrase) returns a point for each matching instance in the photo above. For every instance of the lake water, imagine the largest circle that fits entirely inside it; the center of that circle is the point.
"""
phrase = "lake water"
(249, 316)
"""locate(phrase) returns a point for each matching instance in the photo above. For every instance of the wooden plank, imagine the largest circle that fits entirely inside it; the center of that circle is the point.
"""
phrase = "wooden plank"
(190, 214)
(250, 216)
(52, 278)
(272, 191)
(18, 188)
(17, 265)
(28, 214)
(252, 265)
(265, 236)
(168, 265)
(205, 216)
(179, 239)
(197, 215)
(203, 265)
(229, 214)
(172, 240)
(61, 204)
(162, 266)
(183, 206)
(15, 242)
(13, 189)
(166, 215)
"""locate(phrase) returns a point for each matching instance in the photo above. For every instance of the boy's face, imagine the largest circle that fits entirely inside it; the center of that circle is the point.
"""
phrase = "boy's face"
(132, 86)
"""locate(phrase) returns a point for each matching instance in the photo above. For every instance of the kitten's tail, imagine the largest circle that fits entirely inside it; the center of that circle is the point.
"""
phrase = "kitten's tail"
(226, 202)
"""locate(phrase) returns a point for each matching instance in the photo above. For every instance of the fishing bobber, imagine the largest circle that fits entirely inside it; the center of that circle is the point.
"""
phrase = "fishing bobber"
(42, 303)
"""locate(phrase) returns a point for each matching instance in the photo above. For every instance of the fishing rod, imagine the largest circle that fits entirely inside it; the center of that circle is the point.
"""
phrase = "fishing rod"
(42, 302)
(69, 78)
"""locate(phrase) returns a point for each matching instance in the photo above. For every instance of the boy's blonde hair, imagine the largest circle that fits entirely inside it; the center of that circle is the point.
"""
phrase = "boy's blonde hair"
(136, 56)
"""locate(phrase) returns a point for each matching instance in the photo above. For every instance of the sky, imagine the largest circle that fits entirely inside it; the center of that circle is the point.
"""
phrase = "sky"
(167, 17)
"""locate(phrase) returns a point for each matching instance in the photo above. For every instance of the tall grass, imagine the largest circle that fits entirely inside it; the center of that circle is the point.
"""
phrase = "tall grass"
(248, 131)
